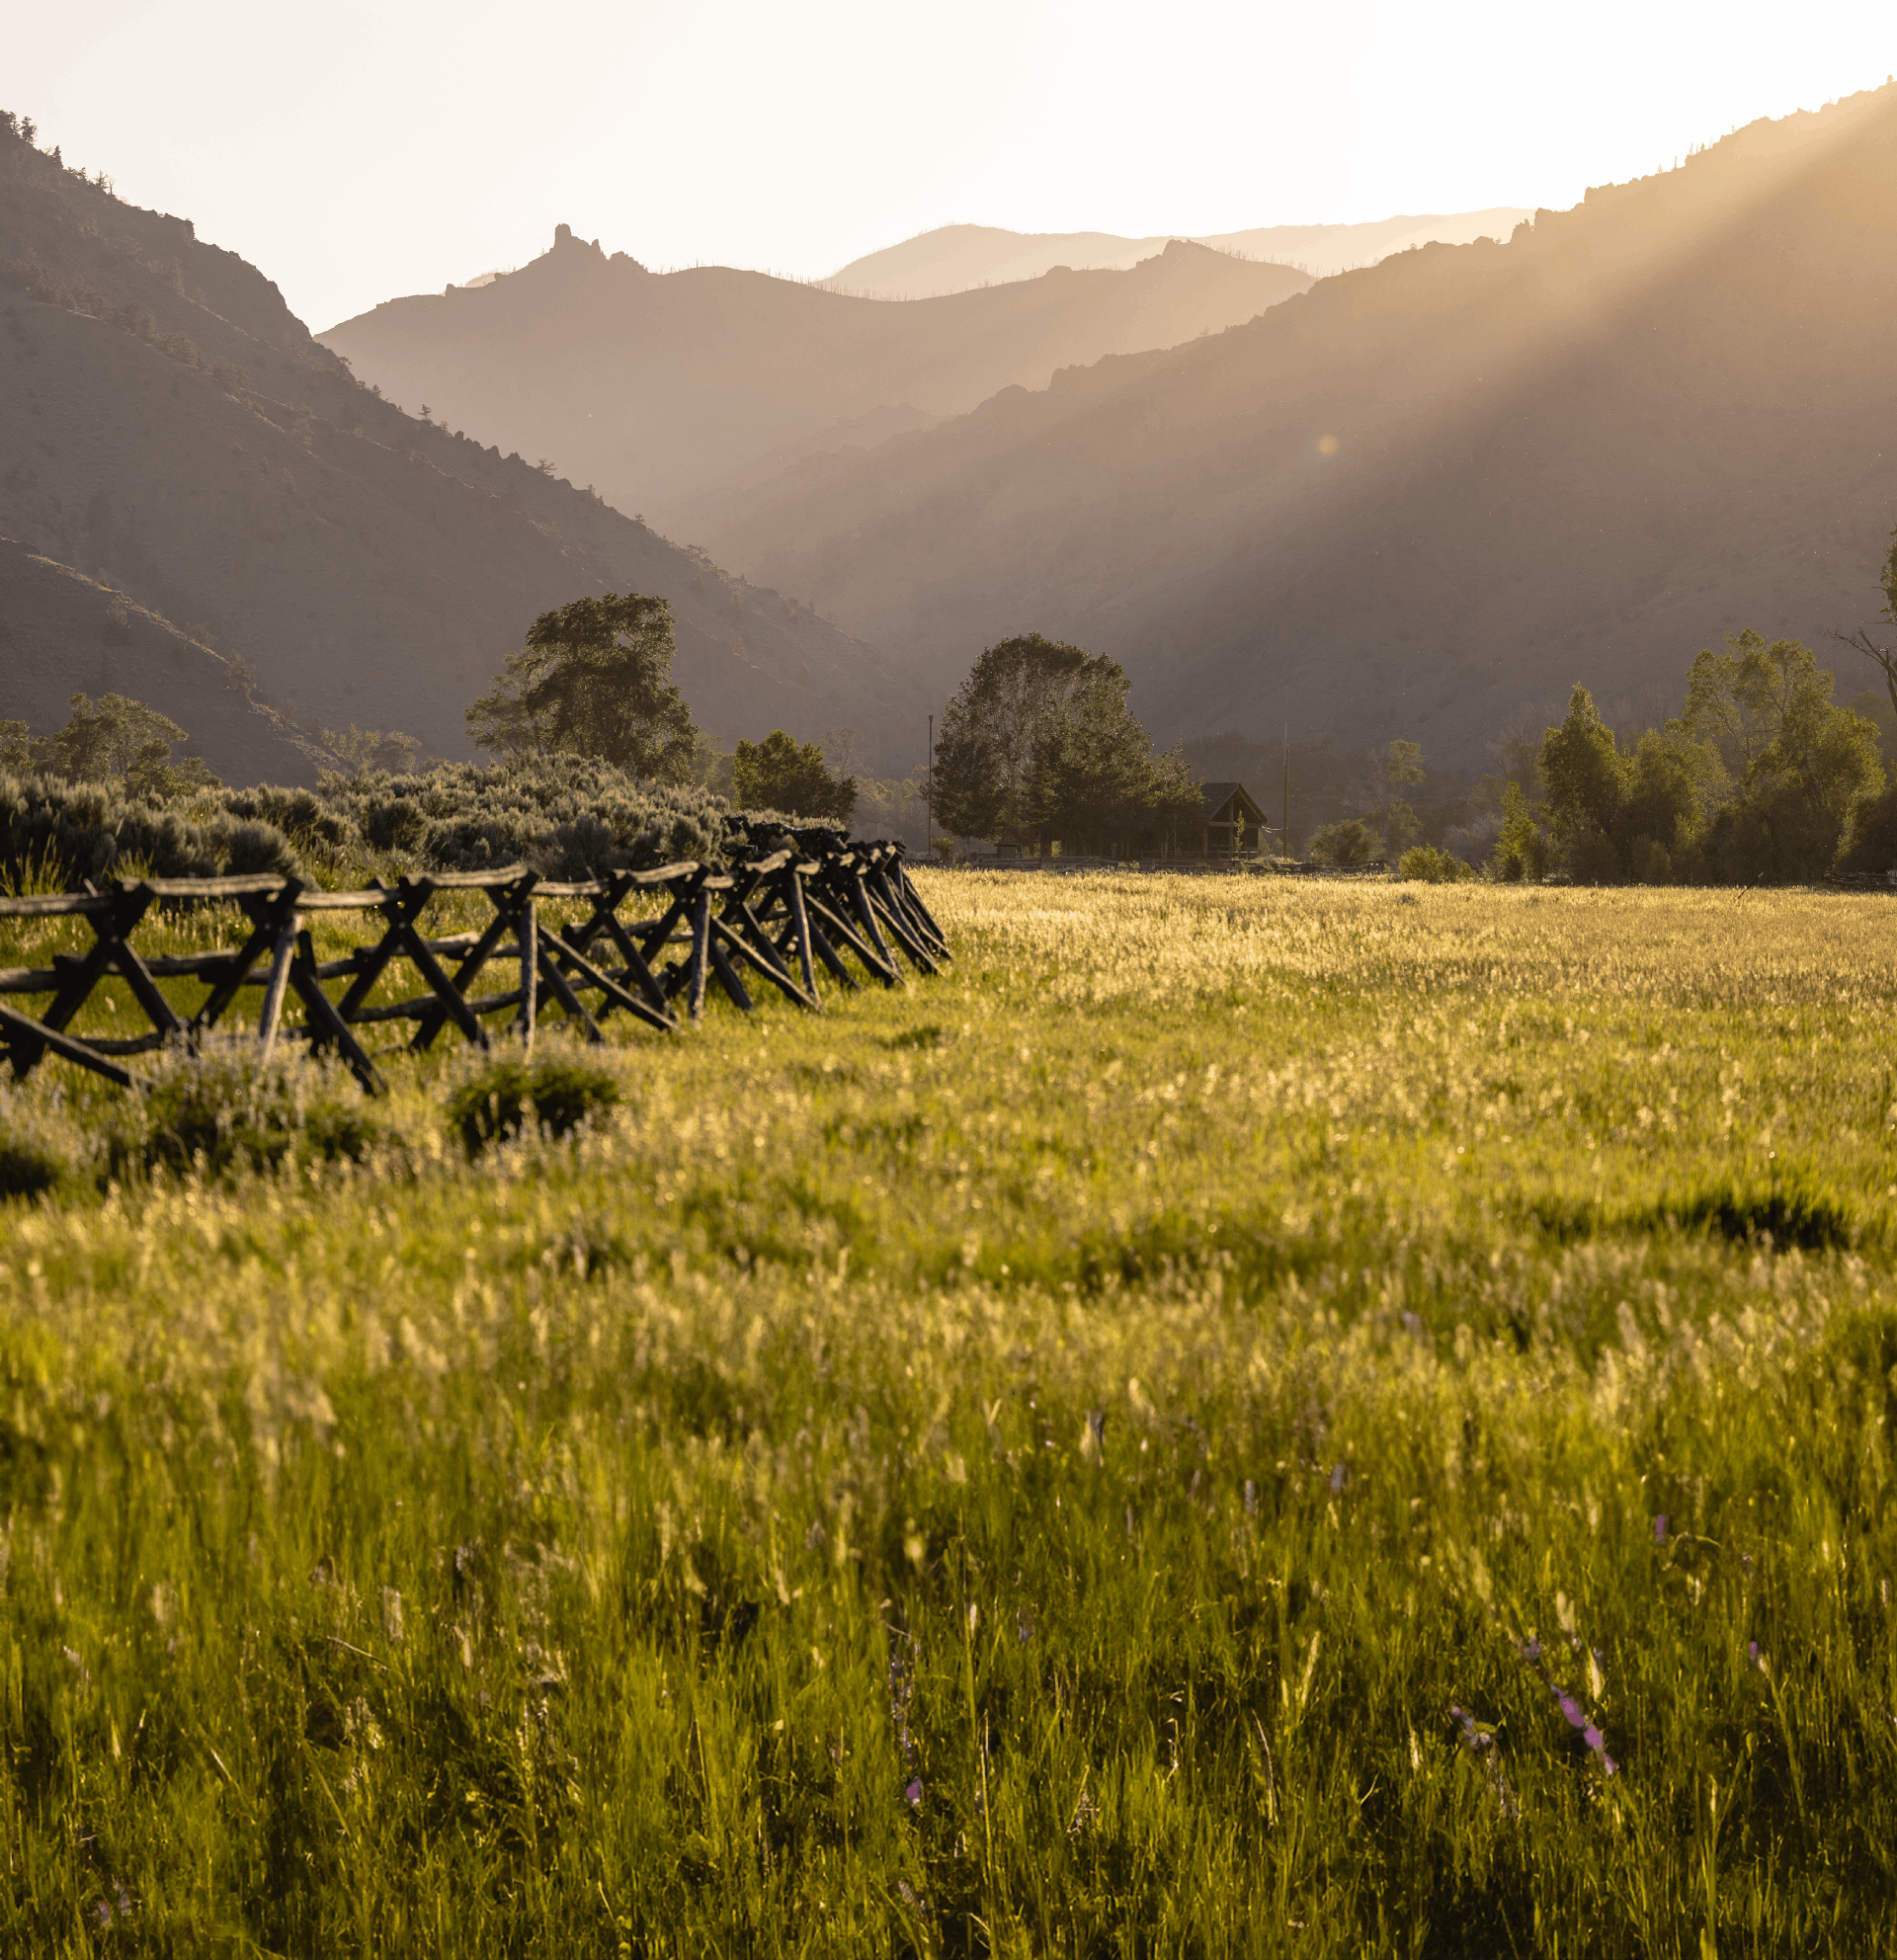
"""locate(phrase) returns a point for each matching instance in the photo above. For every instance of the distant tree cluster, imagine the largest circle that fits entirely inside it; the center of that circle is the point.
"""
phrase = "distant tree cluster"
(1761, 776)
(783, 774)
(116, 740)
(371, 749)
(1039, 745)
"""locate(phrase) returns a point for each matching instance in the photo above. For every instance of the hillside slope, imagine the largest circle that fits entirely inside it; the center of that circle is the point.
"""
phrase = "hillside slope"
(665, 389)
(1427, 497)
(58, 638)
(170, 424)
(954, 257)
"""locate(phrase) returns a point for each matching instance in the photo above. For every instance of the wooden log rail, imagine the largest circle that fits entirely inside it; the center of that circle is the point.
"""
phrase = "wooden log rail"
(775, 921)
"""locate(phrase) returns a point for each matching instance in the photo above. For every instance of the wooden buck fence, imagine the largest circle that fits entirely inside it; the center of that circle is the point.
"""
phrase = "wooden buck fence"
(782, 918)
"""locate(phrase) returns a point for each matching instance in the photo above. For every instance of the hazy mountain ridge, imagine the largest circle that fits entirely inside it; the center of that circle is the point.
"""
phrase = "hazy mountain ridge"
(670, 390)
(953, 258)
(1578, 455)
(368, 566)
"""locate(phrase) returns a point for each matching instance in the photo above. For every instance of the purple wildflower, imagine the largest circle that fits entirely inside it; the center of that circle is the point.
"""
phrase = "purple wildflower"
(1660, 1529)
(913, 1794)
(1338, 1477)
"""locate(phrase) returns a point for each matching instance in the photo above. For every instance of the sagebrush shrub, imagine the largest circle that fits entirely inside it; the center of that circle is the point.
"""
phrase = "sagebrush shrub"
(225, 1109)
(555, 1093)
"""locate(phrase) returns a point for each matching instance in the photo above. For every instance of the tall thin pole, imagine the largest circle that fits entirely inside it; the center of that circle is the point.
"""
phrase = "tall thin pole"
(1285, 836)
(931, 820)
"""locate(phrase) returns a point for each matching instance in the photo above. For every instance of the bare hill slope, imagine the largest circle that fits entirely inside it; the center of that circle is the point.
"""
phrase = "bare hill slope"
(954, 257)
(170, 425)
(665, 389)
(1421, 496)
(58, 639)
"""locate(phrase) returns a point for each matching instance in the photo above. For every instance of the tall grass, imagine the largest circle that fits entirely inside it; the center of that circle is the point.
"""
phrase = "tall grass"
(1235, 1420)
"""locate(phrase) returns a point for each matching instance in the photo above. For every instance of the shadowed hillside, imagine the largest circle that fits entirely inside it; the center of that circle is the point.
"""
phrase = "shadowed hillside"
(955, 257)
(1420, 497)
(664, 390)
(62, 633)
(172, 426)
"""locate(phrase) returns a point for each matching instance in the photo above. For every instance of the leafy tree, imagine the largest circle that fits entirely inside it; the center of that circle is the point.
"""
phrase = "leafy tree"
(594, 679)
(1676, 782)
(1017, 693)
(1521, 850)
(783, 774)
(19, 752)
(1584, 776)
(1040, 743)
(1804, 760)
(1615, 815)
(124, 741)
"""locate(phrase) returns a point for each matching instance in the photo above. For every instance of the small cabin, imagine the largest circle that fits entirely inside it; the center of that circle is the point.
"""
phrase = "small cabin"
(1232, 820)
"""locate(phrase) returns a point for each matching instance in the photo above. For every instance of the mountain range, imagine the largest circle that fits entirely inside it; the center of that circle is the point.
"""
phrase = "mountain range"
(954, 257)
(1425, 497)
(173, 433)
(667, 390)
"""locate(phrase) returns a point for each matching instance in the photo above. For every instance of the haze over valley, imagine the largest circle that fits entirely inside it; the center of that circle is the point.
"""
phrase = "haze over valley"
(1425, 497)
(955, 257)
(669, 391)
(1421, 496)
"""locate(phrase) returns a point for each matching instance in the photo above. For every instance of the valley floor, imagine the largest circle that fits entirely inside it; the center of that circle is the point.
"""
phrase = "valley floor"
(1242, 1418)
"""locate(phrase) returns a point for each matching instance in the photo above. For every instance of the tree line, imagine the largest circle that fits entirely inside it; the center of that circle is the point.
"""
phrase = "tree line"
(1761, 776)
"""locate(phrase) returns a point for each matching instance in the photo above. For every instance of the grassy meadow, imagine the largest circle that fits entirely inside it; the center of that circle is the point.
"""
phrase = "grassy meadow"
(1245, 1416)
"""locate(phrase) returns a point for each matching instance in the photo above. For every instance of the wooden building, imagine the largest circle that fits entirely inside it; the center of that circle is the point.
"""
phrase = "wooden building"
(1231, 820)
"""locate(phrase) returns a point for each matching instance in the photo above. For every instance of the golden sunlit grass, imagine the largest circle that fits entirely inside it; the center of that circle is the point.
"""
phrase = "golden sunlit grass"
(1025, 1464)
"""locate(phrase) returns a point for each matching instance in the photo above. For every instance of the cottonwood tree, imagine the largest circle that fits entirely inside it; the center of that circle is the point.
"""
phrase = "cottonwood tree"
(1039, 743)
(594, 679)
(783, 774)
(1803, 761)
(1627, 814)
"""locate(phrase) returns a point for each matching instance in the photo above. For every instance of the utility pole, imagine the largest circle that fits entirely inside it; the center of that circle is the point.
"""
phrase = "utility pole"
(931, 820)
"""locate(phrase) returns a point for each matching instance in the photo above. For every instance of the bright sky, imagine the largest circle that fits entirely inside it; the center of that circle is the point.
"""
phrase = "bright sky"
(372, 147)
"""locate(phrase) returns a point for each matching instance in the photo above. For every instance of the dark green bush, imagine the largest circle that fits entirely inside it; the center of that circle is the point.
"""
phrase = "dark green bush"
(552, 1092)
(1351, 842)
(226, 1111)
(1430, 866)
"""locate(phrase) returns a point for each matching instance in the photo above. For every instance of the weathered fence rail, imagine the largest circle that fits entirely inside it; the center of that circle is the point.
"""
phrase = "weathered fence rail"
(778, 920)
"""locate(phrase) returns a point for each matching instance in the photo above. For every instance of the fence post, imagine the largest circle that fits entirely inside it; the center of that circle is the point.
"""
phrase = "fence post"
(530, 973)
(277, 985)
